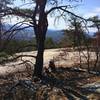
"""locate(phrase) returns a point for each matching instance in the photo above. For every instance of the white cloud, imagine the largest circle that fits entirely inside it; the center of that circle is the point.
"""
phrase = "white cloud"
(58, 24)
(97, 9)
(94, 12)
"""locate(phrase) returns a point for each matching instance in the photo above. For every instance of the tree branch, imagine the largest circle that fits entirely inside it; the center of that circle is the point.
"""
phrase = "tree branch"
(63, 8)
(15, 58)
(58, 7)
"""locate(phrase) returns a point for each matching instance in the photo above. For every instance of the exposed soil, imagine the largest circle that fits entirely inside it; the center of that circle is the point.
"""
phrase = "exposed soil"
(68, 82)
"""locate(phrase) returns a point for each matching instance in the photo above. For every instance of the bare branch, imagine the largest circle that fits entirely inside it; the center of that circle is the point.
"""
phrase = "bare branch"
(17, 12)
(63, 8)
(15, 58)
(58, 7)
(72, 14)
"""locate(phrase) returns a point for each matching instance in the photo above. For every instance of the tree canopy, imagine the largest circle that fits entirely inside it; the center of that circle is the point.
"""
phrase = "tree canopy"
(37, 17)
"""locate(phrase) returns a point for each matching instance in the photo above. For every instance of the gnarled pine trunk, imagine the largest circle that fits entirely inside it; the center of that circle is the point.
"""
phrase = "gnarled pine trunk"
(40, 29)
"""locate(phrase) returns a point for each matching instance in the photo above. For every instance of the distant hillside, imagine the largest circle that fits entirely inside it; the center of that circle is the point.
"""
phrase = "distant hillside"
(28, 33)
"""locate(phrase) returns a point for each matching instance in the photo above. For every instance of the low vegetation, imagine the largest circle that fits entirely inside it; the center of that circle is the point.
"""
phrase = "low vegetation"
(61, 84)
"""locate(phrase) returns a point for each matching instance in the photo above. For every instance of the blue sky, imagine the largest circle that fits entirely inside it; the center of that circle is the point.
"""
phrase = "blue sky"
(90, 8)
(87, 8)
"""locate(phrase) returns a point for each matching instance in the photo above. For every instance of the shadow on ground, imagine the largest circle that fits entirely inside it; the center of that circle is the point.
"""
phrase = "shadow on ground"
(62, 84)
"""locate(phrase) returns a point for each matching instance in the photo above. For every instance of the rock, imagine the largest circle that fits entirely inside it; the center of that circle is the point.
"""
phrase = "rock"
(94, 87)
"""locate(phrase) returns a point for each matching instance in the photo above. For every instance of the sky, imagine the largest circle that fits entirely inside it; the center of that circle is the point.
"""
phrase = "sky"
(90, 8)
(86, 9)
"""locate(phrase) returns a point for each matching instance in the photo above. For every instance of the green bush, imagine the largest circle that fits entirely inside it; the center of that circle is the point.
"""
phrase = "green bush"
(3, 56)
(49, 43)
(15, 46)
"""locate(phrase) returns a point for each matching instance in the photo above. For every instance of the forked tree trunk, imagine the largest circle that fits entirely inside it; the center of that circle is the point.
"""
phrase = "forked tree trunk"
(40, 28)
(40, 33)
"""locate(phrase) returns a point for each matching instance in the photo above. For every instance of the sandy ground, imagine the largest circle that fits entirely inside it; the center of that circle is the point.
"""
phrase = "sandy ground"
(18, 66)
(60, 58)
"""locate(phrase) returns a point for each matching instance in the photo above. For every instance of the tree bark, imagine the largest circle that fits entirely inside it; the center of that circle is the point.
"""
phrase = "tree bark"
(40, 28)
(40, 32)
(40, 39)
(39, 60)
